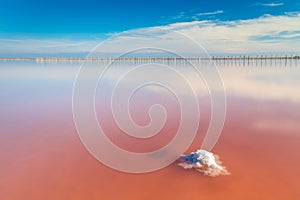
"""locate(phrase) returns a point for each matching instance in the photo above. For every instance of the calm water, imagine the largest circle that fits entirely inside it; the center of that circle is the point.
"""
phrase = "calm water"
(42, 156)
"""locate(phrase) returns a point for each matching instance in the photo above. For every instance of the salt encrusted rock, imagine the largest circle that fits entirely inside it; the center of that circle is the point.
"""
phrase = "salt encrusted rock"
(203, 161)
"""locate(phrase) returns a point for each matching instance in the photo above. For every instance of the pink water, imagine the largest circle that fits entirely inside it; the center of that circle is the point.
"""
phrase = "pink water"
(42, 156)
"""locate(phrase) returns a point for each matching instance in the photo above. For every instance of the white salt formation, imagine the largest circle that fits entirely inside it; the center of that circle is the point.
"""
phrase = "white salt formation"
(203, 161)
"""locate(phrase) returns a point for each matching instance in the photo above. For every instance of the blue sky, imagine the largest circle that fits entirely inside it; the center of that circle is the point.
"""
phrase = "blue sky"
(96, 16)
(96, 19)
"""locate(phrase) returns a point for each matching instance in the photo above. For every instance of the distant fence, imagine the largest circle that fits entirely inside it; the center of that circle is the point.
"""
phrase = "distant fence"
(218, 60)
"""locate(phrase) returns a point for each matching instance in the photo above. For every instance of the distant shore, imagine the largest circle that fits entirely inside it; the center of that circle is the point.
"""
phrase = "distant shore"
(242, 57)
(218, 60)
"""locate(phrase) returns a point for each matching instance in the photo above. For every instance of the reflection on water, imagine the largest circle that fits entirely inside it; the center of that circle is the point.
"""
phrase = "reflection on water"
(42, 156)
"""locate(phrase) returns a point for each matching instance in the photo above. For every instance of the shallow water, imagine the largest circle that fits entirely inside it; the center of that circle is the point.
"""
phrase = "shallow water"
(42, 156)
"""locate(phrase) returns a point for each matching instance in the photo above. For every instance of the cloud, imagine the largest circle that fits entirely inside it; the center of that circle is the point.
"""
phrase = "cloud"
(269, 4)
(44, 46)
(179, 16)
(266, 34)
(279, 36)
(189, 16)
(210, 13)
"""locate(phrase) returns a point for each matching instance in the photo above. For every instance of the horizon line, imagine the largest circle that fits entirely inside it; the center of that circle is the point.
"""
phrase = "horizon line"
(242, 56)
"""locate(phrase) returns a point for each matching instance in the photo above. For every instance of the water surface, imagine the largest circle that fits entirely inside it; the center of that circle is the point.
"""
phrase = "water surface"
(42, 156)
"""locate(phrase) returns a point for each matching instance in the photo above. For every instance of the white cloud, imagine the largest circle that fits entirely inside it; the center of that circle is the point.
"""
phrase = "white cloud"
(210, 13)
(179, 16)
(266, 34)
(269, 4)
(189, 16)
(44, 46)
